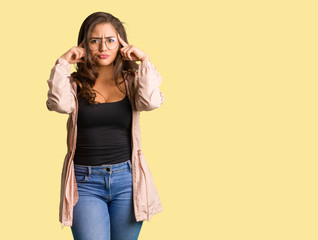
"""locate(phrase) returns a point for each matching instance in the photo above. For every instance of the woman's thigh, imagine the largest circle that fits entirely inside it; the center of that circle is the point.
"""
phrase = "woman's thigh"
(90, 219)
(121, 209)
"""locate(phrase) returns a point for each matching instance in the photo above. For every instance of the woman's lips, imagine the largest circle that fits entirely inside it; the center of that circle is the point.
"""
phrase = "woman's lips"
(103, 56)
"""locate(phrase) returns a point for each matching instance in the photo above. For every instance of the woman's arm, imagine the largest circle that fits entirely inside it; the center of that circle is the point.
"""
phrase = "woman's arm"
(60, 97)
(146, 82)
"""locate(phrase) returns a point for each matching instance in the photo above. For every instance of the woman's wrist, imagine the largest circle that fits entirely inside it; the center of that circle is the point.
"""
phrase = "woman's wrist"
(145, 59)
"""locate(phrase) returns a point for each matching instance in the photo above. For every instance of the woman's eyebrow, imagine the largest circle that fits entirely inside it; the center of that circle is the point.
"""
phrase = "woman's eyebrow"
(101, 38)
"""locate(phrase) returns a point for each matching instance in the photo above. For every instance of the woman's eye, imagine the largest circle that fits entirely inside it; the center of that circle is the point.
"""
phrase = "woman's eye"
(93, 41)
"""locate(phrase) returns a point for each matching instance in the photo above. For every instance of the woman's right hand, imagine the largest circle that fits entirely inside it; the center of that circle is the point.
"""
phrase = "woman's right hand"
(75, 54)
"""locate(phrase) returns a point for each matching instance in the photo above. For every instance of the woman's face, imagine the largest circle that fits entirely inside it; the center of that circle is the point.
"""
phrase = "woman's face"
(104, 32)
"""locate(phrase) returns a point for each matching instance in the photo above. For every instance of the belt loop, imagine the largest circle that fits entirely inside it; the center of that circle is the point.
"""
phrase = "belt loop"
(129, 165)
(89, 170)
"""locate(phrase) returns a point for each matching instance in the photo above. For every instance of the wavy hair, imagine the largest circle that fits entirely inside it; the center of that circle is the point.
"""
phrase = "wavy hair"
(86, 72)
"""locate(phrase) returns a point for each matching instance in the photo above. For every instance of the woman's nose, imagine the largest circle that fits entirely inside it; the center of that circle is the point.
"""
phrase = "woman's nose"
(103, 45)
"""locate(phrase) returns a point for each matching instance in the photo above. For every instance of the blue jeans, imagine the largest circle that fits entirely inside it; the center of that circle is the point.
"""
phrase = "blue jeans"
(105, 208)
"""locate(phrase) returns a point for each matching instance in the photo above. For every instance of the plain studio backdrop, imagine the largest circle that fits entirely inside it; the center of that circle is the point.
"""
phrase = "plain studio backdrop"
(232, 150)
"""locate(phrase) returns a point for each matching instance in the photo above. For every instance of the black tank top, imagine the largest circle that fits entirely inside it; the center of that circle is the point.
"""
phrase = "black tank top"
(103, 132)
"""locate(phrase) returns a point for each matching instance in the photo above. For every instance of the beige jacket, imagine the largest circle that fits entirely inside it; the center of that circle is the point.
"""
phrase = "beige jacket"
(144, 94)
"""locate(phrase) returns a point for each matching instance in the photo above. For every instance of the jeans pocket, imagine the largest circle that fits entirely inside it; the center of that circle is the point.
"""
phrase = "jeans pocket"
(81, 174)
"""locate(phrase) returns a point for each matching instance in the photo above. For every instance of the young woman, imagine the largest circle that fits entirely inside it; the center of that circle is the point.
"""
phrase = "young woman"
(107, 189)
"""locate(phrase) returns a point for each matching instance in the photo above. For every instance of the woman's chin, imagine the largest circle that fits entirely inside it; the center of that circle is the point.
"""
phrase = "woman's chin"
(104, 62)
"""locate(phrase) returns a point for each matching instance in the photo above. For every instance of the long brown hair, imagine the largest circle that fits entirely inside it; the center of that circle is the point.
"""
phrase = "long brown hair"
(86, 73)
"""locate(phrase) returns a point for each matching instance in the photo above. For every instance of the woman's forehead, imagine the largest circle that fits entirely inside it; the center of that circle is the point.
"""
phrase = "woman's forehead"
(104, 30)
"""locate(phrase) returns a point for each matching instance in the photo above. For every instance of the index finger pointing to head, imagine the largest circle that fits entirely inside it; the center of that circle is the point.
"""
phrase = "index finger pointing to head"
(121, 40)
(81, 44)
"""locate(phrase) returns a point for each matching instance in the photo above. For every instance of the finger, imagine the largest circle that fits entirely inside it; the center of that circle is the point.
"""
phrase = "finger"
(79, 61)
(80, 56)
(121, 40)
(124, 51)
(81, 52)
(129, 52)
(76, 53)
(124, 56)
(81, 44)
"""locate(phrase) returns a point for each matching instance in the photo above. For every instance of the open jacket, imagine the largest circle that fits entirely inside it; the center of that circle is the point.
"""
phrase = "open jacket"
(144, 95)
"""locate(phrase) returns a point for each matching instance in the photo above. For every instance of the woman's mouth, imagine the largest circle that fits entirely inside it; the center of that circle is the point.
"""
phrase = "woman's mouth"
(103, 56)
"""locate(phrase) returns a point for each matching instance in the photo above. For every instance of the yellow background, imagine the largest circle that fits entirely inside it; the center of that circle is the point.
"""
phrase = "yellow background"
(232, 150)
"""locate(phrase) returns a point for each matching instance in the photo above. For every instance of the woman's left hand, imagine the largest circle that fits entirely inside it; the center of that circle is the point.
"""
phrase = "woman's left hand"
(130, 52)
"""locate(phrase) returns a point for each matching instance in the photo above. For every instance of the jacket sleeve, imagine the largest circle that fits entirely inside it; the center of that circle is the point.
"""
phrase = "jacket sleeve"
(60, 97)
(146, 82)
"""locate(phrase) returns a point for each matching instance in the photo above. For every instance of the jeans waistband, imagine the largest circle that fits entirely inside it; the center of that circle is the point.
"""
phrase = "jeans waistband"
(105, 168)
